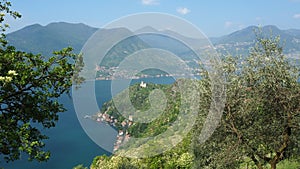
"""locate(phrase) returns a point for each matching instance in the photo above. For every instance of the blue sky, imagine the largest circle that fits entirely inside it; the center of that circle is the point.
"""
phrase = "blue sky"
(213, 17)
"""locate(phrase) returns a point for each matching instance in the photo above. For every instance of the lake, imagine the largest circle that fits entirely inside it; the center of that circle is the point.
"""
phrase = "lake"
(68, 143)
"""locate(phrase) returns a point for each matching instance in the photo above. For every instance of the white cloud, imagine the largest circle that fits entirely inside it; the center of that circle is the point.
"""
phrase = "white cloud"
(297, 16)
(258, 18)
(150, 2)
(183, 10)
(241, 26)
(228, 24)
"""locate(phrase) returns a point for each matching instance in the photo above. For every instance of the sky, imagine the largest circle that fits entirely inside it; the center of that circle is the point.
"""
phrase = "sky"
(213, 17)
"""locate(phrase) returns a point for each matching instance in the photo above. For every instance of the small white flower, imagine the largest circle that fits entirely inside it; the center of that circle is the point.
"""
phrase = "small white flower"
(8, 79)
(12, 72)
(267, 58)
(2, 78)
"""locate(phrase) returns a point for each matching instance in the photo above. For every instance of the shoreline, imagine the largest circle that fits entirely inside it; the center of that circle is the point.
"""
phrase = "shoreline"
(123, 135)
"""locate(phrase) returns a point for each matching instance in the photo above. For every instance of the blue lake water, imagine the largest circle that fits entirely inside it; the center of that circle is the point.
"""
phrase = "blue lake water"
(68, 143)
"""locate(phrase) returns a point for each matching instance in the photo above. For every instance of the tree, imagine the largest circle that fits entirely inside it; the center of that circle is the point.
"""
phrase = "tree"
(261, 119)
(29, 87)
(114, 162)
(178, 157)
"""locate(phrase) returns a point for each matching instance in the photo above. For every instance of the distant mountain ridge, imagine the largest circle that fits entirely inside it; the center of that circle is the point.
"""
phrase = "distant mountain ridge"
(245, 38)
(55, 36)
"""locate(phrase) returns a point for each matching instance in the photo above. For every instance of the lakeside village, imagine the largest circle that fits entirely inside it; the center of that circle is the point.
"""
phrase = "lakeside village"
(123, 135)
(110, 73)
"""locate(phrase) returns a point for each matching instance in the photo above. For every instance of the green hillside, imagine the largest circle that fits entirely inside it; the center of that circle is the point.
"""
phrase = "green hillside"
(124, 48)
(140, 100)
(55, 36)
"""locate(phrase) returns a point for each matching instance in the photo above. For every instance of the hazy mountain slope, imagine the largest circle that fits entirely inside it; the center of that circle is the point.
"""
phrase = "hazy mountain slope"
(243, 39)
(54, 36)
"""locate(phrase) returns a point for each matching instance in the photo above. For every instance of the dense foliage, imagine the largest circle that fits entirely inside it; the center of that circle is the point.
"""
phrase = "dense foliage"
(30, 86)
(179, 157)
(261, 119)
